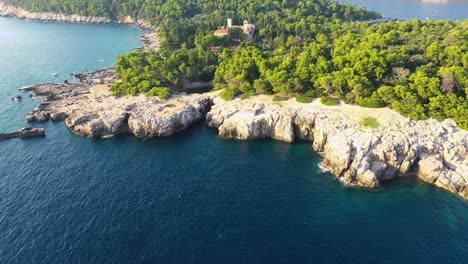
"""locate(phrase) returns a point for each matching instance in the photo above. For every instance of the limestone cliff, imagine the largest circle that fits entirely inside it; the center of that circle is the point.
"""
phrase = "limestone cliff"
(89, 109)
(363, 157)
(9, 10)
(359, 156)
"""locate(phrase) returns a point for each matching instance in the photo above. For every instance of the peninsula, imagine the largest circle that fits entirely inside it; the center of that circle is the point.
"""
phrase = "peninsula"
(356, 154)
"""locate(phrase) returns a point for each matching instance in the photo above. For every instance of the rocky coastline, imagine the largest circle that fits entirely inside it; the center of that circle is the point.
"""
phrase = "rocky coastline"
(88, 108)
(149, 39)
(436, 151)
(13, 11)
(365, 157)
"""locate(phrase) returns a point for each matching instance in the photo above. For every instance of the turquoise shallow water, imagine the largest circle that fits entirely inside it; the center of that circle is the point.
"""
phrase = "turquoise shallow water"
(191, 198)
(421, 9)
(30, 52)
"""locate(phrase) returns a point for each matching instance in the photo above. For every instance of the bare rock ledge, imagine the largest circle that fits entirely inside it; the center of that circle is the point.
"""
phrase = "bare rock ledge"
(88, 109)
(358, 156)
(361, 157)
(13, 11)
(28, 132)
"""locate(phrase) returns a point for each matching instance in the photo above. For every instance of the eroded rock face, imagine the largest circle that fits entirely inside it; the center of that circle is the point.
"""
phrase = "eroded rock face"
(168, 120)
(95, 115)
(151, 119)
(38, 116)
(251, 121)
(362, 157)
(358, 156)
(9, 10)
(97, 124)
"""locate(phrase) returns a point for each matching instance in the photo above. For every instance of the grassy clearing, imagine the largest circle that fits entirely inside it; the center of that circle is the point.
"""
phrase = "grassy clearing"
(369, 122)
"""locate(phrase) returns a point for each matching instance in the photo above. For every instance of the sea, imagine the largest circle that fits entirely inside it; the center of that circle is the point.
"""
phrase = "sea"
(193, 197)
(420, 9)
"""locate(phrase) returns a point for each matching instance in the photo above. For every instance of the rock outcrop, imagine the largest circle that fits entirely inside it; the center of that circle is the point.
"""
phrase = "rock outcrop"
(27, 132)
(88, 109)
(169, 118)
(13, 11)
(8, 10)
(251, 121)
(358, 156)
(152, 118)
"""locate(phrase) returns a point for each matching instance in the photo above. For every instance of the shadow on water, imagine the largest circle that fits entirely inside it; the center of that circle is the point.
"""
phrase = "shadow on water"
(209, 136)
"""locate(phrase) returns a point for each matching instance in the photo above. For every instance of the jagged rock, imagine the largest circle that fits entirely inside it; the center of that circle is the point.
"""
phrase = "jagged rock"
(254, 121)
(149, 119)
(28, 132)
(9, 10)
(338, 154)
(143, 123)
(430, 167)
(38, 116)
(303, 126)
(360, 157)
(117, 124)
(60, 116)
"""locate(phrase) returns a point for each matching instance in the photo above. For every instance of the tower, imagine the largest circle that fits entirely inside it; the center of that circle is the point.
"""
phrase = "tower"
(229, 23)
(246, 27)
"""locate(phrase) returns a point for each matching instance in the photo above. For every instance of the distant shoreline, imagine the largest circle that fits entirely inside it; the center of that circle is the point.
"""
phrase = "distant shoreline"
(150, 39)
(12, 11)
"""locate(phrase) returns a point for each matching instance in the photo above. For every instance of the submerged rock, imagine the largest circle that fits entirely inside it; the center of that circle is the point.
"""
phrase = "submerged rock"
(27, 132)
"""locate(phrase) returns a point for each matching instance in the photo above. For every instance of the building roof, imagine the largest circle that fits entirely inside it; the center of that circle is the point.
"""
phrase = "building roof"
(221, 31)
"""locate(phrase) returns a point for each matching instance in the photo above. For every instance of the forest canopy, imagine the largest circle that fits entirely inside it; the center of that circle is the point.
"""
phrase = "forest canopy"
(311, 48)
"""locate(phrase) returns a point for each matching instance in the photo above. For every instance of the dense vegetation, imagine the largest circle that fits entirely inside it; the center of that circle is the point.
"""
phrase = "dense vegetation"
(419, 69)
(310, 48)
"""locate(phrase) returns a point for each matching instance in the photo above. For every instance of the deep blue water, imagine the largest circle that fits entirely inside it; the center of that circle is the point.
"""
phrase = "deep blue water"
(421, 9)
(191, 198)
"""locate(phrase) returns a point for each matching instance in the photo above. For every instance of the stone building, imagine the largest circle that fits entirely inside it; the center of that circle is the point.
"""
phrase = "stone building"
(247, 28)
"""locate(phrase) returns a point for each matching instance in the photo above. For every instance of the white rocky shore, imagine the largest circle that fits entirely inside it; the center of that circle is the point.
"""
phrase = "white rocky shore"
(12, 11)
(436, 151)
(150, 39)
(88, 109)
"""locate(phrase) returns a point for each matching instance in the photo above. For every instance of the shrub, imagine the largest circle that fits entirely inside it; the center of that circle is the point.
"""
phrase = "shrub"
(278, 98)
(370, 122)
(303, 99)
(369, 102)
(162, 92)
(228, 94)
(329, 101)
(247, 94)
(313, 93)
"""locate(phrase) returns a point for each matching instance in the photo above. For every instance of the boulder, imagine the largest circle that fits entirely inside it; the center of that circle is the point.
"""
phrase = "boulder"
(60, 116)
(38, 116)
